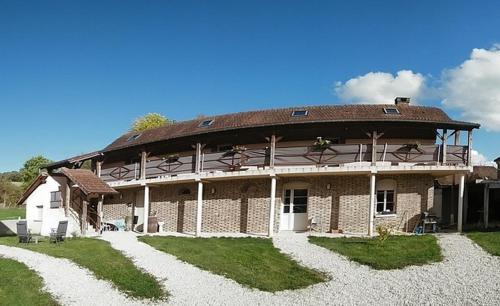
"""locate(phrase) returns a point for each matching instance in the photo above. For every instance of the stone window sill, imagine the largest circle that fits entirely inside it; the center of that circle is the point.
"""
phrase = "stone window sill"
(386, 216)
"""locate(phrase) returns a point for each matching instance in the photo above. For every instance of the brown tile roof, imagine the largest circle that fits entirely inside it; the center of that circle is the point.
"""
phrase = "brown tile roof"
(87, 181)
(72, 160)
(276, 117)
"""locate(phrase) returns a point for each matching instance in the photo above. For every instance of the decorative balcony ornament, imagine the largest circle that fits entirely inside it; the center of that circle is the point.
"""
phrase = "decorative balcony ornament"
(172, 158)
(235, 150)
(321, 144)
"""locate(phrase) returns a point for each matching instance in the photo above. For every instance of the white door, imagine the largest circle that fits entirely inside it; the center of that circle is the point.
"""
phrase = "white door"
(294, 210)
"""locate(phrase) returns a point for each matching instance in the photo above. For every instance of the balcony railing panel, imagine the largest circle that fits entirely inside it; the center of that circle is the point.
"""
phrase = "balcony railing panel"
(427, 154)
(456, 155)
(225, 161)
(121, 173)
(309, 155)
(170, 166)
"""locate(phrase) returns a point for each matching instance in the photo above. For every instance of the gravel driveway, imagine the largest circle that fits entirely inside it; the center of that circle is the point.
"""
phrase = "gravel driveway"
(68, 283)
(468, 275)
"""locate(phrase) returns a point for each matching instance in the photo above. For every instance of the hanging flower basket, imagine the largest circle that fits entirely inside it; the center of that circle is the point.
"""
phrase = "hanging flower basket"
(172, 158)
(235, 150)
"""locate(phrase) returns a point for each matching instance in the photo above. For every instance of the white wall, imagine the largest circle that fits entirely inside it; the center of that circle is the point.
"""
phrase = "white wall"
(42, 220)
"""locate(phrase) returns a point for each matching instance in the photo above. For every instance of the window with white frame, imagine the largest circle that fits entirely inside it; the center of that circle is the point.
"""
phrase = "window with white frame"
(385, 202)
(386, 197)
(55, 199)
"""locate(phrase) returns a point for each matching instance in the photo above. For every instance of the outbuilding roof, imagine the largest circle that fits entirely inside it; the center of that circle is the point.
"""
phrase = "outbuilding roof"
(296, 115)
(87, 181)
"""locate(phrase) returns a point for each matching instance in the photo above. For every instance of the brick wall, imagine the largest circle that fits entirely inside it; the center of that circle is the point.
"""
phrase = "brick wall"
(118, 206)
(243, 205)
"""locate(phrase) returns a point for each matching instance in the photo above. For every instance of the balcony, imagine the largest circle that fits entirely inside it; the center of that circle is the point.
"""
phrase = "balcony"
(289, 157)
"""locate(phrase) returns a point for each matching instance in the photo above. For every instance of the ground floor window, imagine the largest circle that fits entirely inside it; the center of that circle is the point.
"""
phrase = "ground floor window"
(385, 201)
(298, 199)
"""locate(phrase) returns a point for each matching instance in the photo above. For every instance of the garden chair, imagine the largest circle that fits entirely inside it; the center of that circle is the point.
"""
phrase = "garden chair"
(58, 235)
(22, 232)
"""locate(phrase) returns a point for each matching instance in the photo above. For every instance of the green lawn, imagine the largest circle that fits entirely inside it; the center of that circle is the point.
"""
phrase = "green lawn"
(99, 257)
(252, 262)
(395, 253)
(12, 213)
(489, 241)
(21, 286)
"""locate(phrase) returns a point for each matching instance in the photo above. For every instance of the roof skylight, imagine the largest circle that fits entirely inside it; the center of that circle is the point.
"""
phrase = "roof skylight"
(133, 137)
(391, 111)
(299, 113)
(206, 123)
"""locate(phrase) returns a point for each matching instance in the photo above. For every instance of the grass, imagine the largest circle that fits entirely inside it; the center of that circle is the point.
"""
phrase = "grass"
(12, 213)
(489, 241)
(252, 262)
(105, 262)
(395, 253)
(21, 286)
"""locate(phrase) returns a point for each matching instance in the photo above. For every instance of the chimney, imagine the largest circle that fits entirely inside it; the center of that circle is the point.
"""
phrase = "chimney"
(402, 100)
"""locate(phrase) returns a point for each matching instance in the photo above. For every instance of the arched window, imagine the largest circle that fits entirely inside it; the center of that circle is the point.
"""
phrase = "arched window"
(386, 197)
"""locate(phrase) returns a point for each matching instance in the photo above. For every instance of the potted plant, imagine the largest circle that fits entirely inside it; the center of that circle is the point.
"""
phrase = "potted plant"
(172, 158)
(321, 144)
(235, 150)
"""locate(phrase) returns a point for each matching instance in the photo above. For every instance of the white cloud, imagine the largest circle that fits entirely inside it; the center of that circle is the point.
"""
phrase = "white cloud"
(474, 88)
(381, 87)
(479, 159)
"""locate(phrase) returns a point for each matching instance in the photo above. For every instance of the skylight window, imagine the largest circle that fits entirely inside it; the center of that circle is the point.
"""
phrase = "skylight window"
(134, 137)
(206, 123)
(391, 111)
(299, 113)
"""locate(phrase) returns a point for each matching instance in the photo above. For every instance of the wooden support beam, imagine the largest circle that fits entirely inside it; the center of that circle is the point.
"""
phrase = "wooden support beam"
(83, 223)
(445, 140)
(67, 198)
(486, 205)
(98, 168)
(374, 147)
(469, 148)
(457, 137)
(273, 151)
(144, 160)
(198, 169)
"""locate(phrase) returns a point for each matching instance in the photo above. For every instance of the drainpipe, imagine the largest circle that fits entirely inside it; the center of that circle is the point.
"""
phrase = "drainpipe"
(272, 206)
(199, 208)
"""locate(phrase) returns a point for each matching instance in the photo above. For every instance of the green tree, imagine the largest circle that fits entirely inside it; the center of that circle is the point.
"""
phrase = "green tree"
(150, 121)
(31, 169)
(9, 192)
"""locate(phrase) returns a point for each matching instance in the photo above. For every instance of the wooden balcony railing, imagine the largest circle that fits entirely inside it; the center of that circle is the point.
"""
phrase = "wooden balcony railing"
(287, 156)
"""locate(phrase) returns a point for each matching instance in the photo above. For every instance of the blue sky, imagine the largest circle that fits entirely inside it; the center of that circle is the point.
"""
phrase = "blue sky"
(74, 74)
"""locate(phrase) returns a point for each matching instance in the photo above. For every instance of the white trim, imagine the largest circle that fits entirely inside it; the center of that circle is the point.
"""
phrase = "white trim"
(386, 215)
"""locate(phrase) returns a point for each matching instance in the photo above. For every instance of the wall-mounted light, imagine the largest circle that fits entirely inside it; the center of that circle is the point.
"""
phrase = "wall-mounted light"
(212, 190)
(328, 186)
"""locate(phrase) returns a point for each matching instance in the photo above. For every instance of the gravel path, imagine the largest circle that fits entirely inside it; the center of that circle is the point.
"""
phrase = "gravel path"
(467, 276)
(68, 283)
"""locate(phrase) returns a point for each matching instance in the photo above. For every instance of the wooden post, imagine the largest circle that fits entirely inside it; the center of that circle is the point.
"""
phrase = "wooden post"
(469, 148)
(146, 210)
(199, 208)
(457, 137)
(461, 185)
(273, 151)
(144, 156)
(272, 206)
(67, 198)
(198, 158)
(371, 210)
(84, 217)
(486, 204)
(444, 140)
(374, 147)
(98, 168)
(360, 152)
